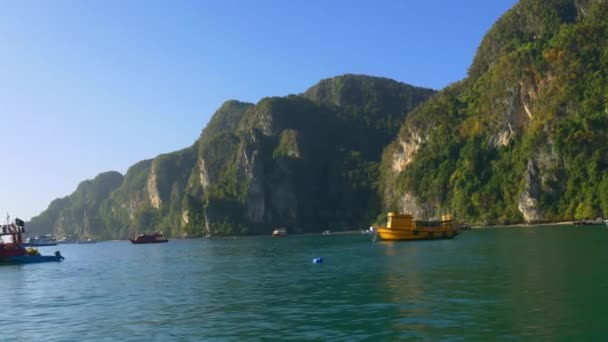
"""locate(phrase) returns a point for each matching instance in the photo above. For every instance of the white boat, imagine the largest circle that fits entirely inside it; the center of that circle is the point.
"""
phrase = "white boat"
(40, 241)
(66, 240)
(87, 241)
(279, 232)
(368, 231)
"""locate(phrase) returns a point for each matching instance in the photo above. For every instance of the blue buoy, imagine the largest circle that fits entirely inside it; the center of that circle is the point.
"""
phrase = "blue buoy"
(317, 260)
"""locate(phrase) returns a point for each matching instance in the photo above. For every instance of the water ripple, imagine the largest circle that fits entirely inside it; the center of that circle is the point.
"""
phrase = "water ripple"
(483, 286)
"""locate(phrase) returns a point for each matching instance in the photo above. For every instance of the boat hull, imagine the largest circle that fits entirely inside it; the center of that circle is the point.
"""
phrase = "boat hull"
(32, 259)
(135, 242)
(388, 234)
(38, 244)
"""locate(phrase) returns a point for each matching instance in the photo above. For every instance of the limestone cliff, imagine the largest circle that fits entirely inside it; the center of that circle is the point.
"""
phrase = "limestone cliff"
(522, 138)
(296, 161)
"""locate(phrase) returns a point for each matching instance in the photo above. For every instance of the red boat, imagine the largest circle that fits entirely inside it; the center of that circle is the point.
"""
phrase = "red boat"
(149, 238)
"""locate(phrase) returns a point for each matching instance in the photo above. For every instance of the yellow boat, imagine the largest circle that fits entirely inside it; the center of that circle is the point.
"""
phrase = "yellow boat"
(404, 227)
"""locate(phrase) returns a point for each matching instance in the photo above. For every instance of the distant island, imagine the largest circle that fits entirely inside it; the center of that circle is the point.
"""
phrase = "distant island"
(523, 138)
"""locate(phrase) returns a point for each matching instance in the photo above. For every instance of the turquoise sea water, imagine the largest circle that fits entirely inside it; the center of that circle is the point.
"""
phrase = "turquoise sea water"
(545, 283)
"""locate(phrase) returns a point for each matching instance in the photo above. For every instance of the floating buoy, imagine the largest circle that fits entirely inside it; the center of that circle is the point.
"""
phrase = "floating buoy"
(317, 260)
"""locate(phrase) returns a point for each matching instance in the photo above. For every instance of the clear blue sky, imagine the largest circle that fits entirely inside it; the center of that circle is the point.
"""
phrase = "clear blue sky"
(92, 86)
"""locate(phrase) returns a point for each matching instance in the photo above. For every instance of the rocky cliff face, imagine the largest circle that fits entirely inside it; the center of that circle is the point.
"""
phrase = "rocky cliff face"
(296, 161)
(286, 155)
(521, 139)
(79, 213)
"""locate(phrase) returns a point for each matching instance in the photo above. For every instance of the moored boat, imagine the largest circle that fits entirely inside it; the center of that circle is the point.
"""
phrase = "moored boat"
(405, 227)
(13, 251)
(464, 226)
(40, 241)
(370, 230)
(149, 238)
(279, 232)
(33, 259)
(596, 222)
(66, 239)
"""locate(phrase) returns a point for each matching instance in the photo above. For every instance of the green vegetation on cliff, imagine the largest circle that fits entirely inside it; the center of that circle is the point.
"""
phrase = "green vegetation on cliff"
(523, 138)
(308, 162)
(79, 214)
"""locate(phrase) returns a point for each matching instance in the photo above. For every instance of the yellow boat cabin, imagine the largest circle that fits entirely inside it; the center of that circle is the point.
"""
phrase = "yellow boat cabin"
(404, 227)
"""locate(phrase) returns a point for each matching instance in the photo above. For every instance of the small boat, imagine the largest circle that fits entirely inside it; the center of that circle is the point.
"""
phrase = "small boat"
(149, 238)
(13, 251)
(34, 259)
(464, 226)
(279, 232)
(86, 242)
(326, 232)
(404, 227)
(40, 241)
(65, 240)
(368, 231)
(598, 221)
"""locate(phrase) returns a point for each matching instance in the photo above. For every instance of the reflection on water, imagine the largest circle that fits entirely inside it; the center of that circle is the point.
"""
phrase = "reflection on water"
(550, 276)
(543, 283)
(507, 283)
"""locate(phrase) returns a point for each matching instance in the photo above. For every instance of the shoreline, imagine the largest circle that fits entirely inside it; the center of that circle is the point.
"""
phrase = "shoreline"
(526, 225)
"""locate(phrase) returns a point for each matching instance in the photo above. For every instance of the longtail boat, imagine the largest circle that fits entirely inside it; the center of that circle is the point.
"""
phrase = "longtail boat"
(12, 249)
(149, 238)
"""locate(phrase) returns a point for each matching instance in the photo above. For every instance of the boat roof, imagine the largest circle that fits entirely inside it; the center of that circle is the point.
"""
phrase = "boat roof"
(400, 215)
